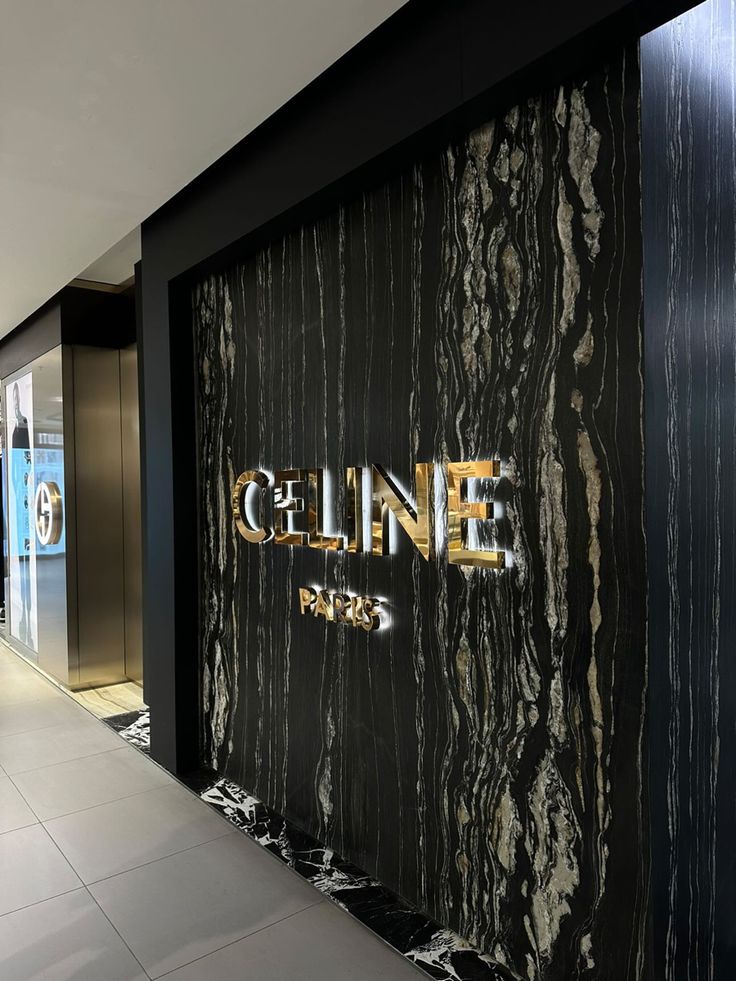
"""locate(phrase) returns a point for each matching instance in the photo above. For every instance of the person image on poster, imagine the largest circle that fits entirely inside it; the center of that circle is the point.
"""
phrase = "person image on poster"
(21, 476)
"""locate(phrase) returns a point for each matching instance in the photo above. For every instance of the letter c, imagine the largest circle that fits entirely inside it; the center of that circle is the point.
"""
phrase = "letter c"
(248, 521)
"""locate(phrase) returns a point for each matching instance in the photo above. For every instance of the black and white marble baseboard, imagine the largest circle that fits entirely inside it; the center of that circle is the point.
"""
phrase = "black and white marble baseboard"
(134, 727)
(439, 952)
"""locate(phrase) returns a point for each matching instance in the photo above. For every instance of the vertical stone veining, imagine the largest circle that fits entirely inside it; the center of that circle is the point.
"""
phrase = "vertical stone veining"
(689, 222)
(466, 756)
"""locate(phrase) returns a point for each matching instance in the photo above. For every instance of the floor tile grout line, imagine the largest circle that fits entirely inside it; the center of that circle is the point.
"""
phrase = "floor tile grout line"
(30, 807)
(228, 830)
(56, 846)
(73, 759)
(87, 756)
(43, 702)
(227, 827)
(82, 713)
(82, 885)
(327, 896)
(122, 938)
(231, 828)
(47, 899)
(69, 892)
(65, 859)
(90, 807)
(35, 769)
(24, 732)
(324, 896)
(85, 719)
(116, 800)
(246, 936)
(21, 827)
(44, 699)
(161, 858)
(34, 670)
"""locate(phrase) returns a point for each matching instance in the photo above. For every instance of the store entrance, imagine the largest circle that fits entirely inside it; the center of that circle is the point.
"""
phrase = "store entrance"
(71, 494)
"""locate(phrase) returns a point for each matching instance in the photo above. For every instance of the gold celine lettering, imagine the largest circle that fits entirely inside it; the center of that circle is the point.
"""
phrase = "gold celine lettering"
(299, 510)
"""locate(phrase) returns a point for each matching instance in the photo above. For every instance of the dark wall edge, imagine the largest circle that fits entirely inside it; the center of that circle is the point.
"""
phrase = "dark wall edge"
(96, 319)
(35, 336)
(72, 316)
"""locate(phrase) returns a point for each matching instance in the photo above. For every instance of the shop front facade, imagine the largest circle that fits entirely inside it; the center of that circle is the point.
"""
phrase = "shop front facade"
(437, 372)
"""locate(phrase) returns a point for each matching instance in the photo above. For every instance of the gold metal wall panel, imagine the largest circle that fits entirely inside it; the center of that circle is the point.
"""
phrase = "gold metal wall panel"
(99, 515)
(131, 473)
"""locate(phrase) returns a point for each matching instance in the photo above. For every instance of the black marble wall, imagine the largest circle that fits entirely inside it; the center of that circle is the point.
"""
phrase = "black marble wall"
(483, 755)
(689, 212)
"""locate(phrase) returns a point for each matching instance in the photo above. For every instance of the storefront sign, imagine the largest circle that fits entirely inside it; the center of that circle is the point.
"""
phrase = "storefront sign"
(299, 510)
(49, 514)
(355, 611)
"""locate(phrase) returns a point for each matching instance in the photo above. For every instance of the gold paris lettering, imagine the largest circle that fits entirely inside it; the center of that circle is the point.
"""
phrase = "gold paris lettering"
(355, 611)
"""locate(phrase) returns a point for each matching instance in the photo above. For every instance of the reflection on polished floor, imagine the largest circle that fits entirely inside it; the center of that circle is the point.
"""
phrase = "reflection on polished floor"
(112, 871)
(111, 700)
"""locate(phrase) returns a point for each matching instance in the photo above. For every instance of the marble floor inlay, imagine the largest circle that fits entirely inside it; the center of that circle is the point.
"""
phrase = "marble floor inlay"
(135, 727)
(111, 699)
(439, 952)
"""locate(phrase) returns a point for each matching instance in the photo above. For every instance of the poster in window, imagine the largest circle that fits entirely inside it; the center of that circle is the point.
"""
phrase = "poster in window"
(21, 529)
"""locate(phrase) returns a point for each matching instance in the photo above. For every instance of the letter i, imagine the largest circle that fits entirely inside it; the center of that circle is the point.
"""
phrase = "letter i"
(354, 505)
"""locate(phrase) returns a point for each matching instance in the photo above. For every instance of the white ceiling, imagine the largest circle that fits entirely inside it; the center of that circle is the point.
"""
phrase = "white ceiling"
(107, 109)
(117, 264)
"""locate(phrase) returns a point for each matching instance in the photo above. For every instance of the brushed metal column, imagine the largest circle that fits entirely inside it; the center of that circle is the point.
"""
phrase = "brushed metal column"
(132, 541)
(99, 515)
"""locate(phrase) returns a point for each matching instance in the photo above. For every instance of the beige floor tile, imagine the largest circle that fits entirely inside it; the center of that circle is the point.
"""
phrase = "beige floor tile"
(25, 685)
(32, 869)
(192, 903)
(319, 944)
(64, 939)
(123, 834)
(90, 781)
(56, 744)
(14, 811)
(25, 716)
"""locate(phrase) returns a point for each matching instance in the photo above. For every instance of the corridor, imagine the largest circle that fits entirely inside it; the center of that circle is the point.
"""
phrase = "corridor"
(111, 870)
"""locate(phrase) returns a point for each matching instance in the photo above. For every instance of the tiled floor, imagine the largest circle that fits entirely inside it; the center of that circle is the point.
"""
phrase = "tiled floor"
(110, 870)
